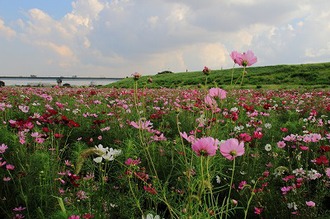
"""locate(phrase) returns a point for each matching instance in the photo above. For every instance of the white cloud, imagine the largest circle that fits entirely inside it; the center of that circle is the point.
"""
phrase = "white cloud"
(123, 36)
(6, 31)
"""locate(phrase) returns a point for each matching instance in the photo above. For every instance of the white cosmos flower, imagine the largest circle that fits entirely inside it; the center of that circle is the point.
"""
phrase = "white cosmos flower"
(268, 147)
(101, 150)
(106, 153)
(98, 159)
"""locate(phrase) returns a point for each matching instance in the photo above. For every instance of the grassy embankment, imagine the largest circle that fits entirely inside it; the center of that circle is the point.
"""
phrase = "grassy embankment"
(316, 75)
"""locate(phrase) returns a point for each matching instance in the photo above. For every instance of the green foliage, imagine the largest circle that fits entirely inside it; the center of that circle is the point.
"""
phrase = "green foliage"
(59, 177)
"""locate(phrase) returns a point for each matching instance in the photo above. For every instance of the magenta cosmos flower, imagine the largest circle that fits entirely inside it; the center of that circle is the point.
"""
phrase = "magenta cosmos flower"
(232, 148)
(244, 59)
(205, 146)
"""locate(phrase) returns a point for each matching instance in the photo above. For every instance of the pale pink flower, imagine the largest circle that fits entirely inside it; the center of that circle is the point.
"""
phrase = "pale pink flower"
(74, 217)
(190, 138)
(68, 163)
(205, 146)
(236, 57)
(218, 93)
(232, 148)
(105, 129)
(210, 101)
(141, 124)
(244, 59)
(10, 167)
(81, 195)
(24, 109)
(6, 179)
(281, 144)
(20, 208)
(286, 189)
(327, 172)
(2, 163)
(40, 140)
(310, 203)
(3, 148)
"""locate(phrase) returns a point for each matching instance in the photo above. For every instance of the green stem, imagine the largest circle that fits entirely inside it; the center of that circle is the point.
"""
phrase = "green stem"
(243, 75)
(250, 199)
(232, 76)
(209, 182)
(202, 173)
(133, 194)
(230, 187)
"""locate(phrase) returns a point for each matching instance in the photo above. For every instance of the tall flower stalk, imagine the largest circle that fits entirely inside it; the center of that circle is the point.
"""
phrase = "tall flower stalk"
(242, 59)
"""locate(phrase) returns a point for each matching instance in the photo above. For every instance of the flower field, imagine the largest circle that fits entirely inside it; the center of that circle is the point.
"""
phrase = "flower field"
(164, 153)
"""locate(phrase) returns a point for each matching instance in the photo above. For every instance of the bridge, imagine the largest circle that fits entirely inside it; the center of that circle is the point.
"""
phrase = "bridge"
(48, 80)
(60, 77)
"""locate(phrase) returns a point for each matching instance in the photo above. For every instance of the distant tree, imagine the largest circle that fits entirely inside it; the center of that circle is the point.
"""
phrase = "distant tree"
(2, 83)
(66, 85)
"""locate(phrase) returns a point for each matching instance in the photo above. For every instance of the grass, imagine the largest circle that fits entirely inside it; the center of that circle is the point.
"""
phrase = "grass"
(316, 75)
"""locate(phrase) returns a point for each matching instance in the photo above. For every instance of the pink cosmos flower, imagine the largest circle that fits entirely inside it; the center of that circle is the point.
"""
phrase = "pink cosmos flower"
(217, 92)
(190, 138)
(18, 216)
(24, 109)
(131, 162)
(210, 101)
(310, 203)
(236, 57)
(3, 148)
(10, 167)
(141, 124)
(6, 179)
(241, 185)
(205, 146)
(281, 144)
(20, 208)
(74, 217)
(258, 210)
(232, 148)
(244, 59)
(327, 172)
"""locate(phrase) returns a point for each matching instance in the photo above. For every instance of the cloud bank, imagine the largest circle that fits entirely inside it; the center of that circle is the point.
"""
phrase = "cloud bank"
(116, 38)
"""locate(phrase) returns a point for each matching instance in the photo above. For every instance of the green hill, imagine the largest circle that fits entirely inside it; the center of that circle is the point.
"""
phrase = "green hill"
(307, 75)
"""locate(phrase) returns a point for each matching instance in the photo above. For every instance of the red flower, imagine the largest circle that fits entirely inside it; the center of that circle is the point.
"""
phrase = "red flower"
(45, 129)
(284, 129)
(52, 112)
(150, 189)
(325, 148)
(322, 160)
(206, 70)
(88, 216)
(58, 135)
(257, 135)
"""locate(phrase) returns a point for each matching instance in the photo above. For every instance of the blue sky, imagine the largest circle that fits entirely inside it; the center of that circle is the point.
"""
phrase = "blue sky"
(116, 38)
(14, 9)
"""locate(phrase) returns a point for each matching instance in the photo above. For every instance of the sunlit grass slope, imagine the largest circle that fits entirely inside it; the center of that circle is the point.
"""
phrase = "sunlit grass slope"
(309, 75)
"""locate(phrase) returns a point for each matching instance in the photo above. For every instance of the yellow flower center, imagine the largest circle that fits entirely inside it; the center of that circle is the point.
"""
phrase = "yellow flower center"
(233, 153)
